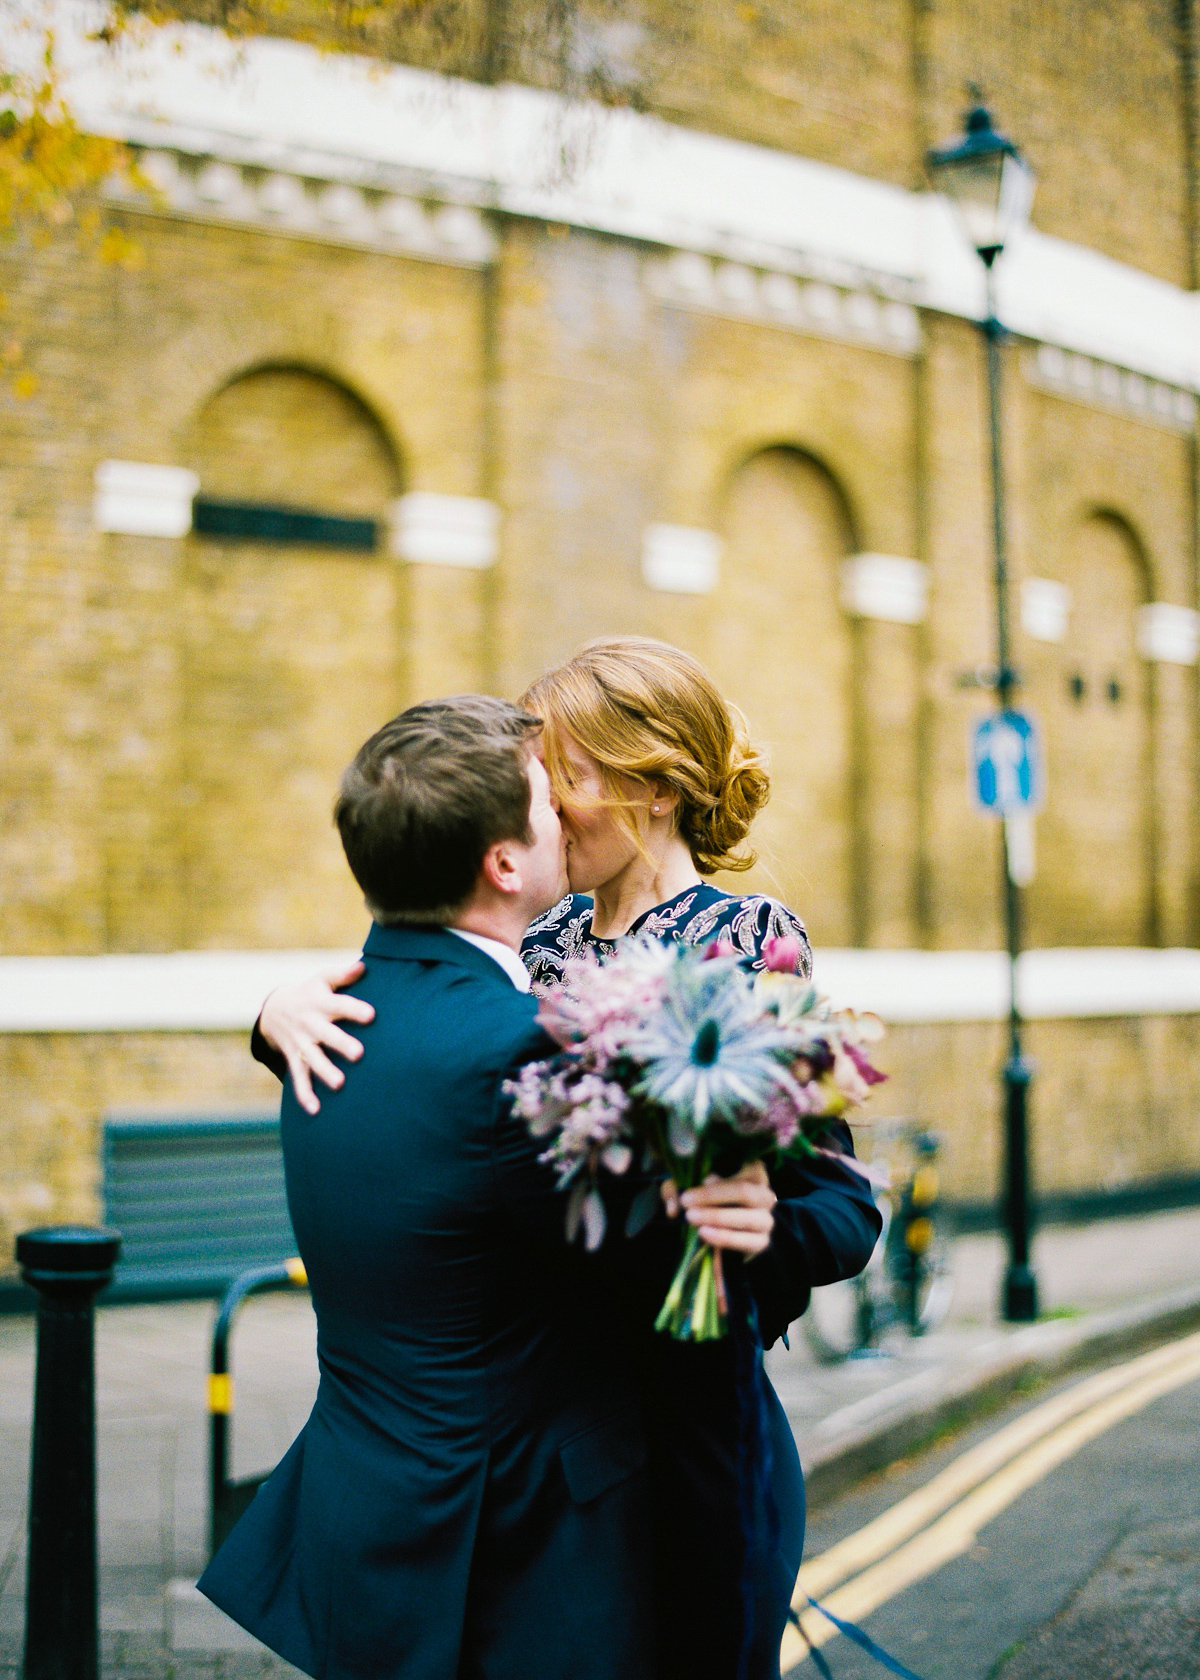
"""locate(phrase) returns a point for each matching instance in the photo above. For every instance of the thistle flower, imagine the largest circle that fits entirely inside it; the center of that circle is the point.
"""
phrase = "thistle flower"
(708, 1053)
(737, 1065)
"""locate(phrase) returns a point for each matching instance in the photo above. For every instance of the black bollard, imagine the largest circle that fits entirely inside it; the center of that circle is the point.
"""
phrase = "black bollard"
(68, 1266)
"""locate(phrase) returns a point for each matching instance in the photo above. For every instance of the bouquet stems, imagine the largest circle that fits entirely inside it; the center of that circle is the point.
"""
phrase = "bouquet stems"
(691, 1311)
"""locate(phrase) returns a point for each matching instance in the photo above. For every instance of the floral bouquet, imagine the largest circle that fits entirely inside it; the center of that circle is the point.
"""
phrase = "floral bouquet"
(680, 1055)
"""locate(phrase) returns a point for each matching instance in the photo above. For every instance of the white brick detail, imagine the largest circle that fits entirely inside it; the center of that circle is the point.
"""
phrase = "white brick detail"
(1168, 633)
(1045, 609)
(143, 500)
(681, 559)
(885, 586)
(445, 530)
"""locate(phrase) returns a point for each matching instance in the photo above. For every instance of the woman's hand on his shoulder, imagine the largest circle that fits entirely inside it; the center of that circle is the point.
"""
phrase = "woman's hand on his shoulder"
(301, 1023)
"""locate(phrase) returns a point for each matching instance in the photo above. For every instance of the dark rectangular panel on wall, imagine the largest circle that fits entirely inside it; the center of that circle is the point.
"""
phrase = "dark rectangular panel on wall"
(263, 522)
(196, 1201)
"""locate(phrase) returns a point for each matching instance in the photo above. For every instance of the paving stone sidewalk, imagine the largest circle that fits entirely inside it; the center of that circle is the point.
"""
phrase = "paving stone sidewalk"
(152, 1364)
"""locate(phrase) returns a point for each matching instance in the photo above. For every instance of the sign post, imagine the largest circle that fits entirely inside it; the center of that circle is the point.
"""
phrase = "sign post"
(1008, 782)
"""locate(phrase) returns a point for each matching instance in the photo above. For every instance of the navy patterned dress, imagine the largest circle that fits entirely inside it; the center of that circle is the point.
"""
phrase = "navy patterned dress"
(692, 917)
(714, 1568)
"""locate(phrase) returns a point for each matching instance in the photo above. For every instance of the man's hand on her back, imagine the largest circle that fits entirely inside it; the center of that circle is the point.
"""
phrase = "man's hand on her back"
(298, 1020)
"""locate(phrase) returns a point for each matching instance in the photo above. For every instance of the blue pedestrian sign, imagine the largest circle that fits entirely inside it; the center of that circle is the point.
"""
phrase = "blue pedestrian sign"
(1006, 755)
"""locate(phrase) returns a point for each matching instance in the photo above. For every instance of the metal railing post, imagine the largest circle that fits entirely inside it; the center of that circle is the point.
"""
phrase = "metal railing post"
(67, 1266)
(227, 1499)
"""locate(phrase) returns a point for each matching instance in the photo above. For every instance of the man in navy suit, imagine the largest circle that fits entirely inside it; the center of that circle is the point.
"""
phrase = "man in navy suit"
(467, 1500)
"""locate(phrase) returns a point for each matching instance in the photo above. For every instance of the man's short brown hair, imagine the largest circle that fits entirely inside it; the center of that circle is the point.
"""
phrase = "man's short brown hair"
(426, 797)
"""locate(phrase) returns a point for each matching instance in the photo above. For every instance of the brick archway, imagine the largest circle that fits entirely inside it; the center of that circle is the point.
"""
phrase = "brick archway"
(1095, 882)
(290, 657)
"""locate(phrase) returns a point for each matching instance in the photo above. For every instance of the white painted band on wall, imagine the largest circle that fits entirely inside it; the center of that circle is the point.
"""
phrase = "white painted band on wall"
(183, 991)
(681, 559)
(885, 586)
(223, 991)
(142, 500)
(915, 986)
(445, 530)
(1020, 847)
(1045, 609)
(1168, 633)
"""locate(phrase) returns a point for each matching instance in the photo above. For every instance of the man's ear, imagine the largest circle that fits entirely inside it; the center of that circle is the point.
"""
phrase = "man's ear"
(501, 868)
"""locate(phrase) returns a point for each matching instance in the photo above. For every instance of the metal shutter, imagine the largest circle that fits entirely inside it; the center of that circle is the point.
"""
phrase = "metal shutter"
(196, 1201)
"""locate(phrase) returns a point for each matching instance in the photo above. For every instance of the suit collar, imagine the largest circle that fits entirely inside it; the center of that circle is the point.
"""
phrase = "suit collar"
(431, 944)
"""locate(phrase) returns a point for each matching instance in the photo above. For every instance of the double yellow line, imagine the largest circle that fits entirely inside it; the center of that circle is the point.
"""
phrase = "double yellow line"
(941, 1520)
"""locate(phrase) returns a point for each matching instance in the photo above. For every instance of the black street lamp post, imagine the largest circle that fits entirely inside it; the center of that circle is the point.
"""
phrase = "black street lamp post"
(991, 187)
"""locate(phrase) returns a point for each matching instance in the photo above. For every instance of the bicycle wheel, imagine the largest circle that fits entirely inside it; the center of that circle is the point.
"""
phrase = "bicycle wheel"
(843, 1318)
(934, 1287)
(831, 1322)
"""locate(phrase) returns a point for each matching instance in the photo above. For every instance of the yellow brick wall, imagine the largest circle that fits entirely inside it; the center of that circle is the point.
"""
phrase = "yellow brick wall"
(178, 713)
(1114, 1102)
(174, 715)
(1094, 92)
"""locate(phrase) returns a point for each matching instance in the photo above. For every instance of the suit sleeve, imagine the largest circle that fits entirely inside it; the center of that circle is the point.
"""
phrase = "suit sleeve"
(826, 1227)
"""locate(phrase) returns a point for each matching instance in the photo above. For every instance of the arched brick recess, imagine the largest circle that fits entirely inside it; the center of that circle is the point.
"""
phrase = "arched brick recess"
(1093, 692)
(288, 660)
(783, 652)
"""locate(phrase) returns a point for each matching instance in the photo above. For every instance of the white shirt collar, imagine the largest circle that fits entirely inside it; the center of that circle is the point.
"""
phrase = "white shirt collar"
(507, 958)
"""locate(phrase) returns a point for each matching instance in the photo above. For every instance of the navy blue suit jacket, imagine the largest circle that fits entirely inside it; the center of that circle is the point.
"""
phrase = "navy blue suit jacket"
(468, 1499)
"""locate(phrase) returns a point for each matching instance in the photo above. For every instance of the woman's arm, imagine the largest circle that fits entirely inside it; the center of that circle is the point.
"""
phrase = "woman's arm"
(826, 1225)
(297, 1021)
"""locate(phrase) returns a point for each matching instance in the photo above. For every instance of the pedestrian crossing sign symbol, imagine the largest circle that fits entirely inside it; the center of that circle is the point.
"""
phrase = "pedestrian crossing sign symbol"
(1006, 756)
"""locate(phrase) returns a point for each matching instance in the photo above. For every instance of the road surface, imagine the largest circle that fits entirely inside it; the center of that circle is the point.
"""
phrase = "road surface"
(1061, 1541)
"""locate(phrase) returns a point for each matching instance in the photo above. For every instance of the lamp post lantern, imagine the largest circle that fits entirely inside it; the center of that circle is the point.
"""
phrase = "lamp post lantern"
(991, 188)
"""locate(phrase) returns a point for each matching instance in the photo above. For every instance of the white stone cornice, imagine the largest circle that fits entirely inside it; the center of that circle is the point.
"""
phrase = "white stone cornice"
(1100, 384)
(283, 107)
(798, 298)
(207, 189)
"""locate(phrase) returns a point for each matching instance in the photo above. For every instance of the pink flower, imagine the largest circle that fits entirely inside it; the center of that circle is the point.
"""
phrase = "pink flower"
(871, 1074)
(782, 955)
(722, 947)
